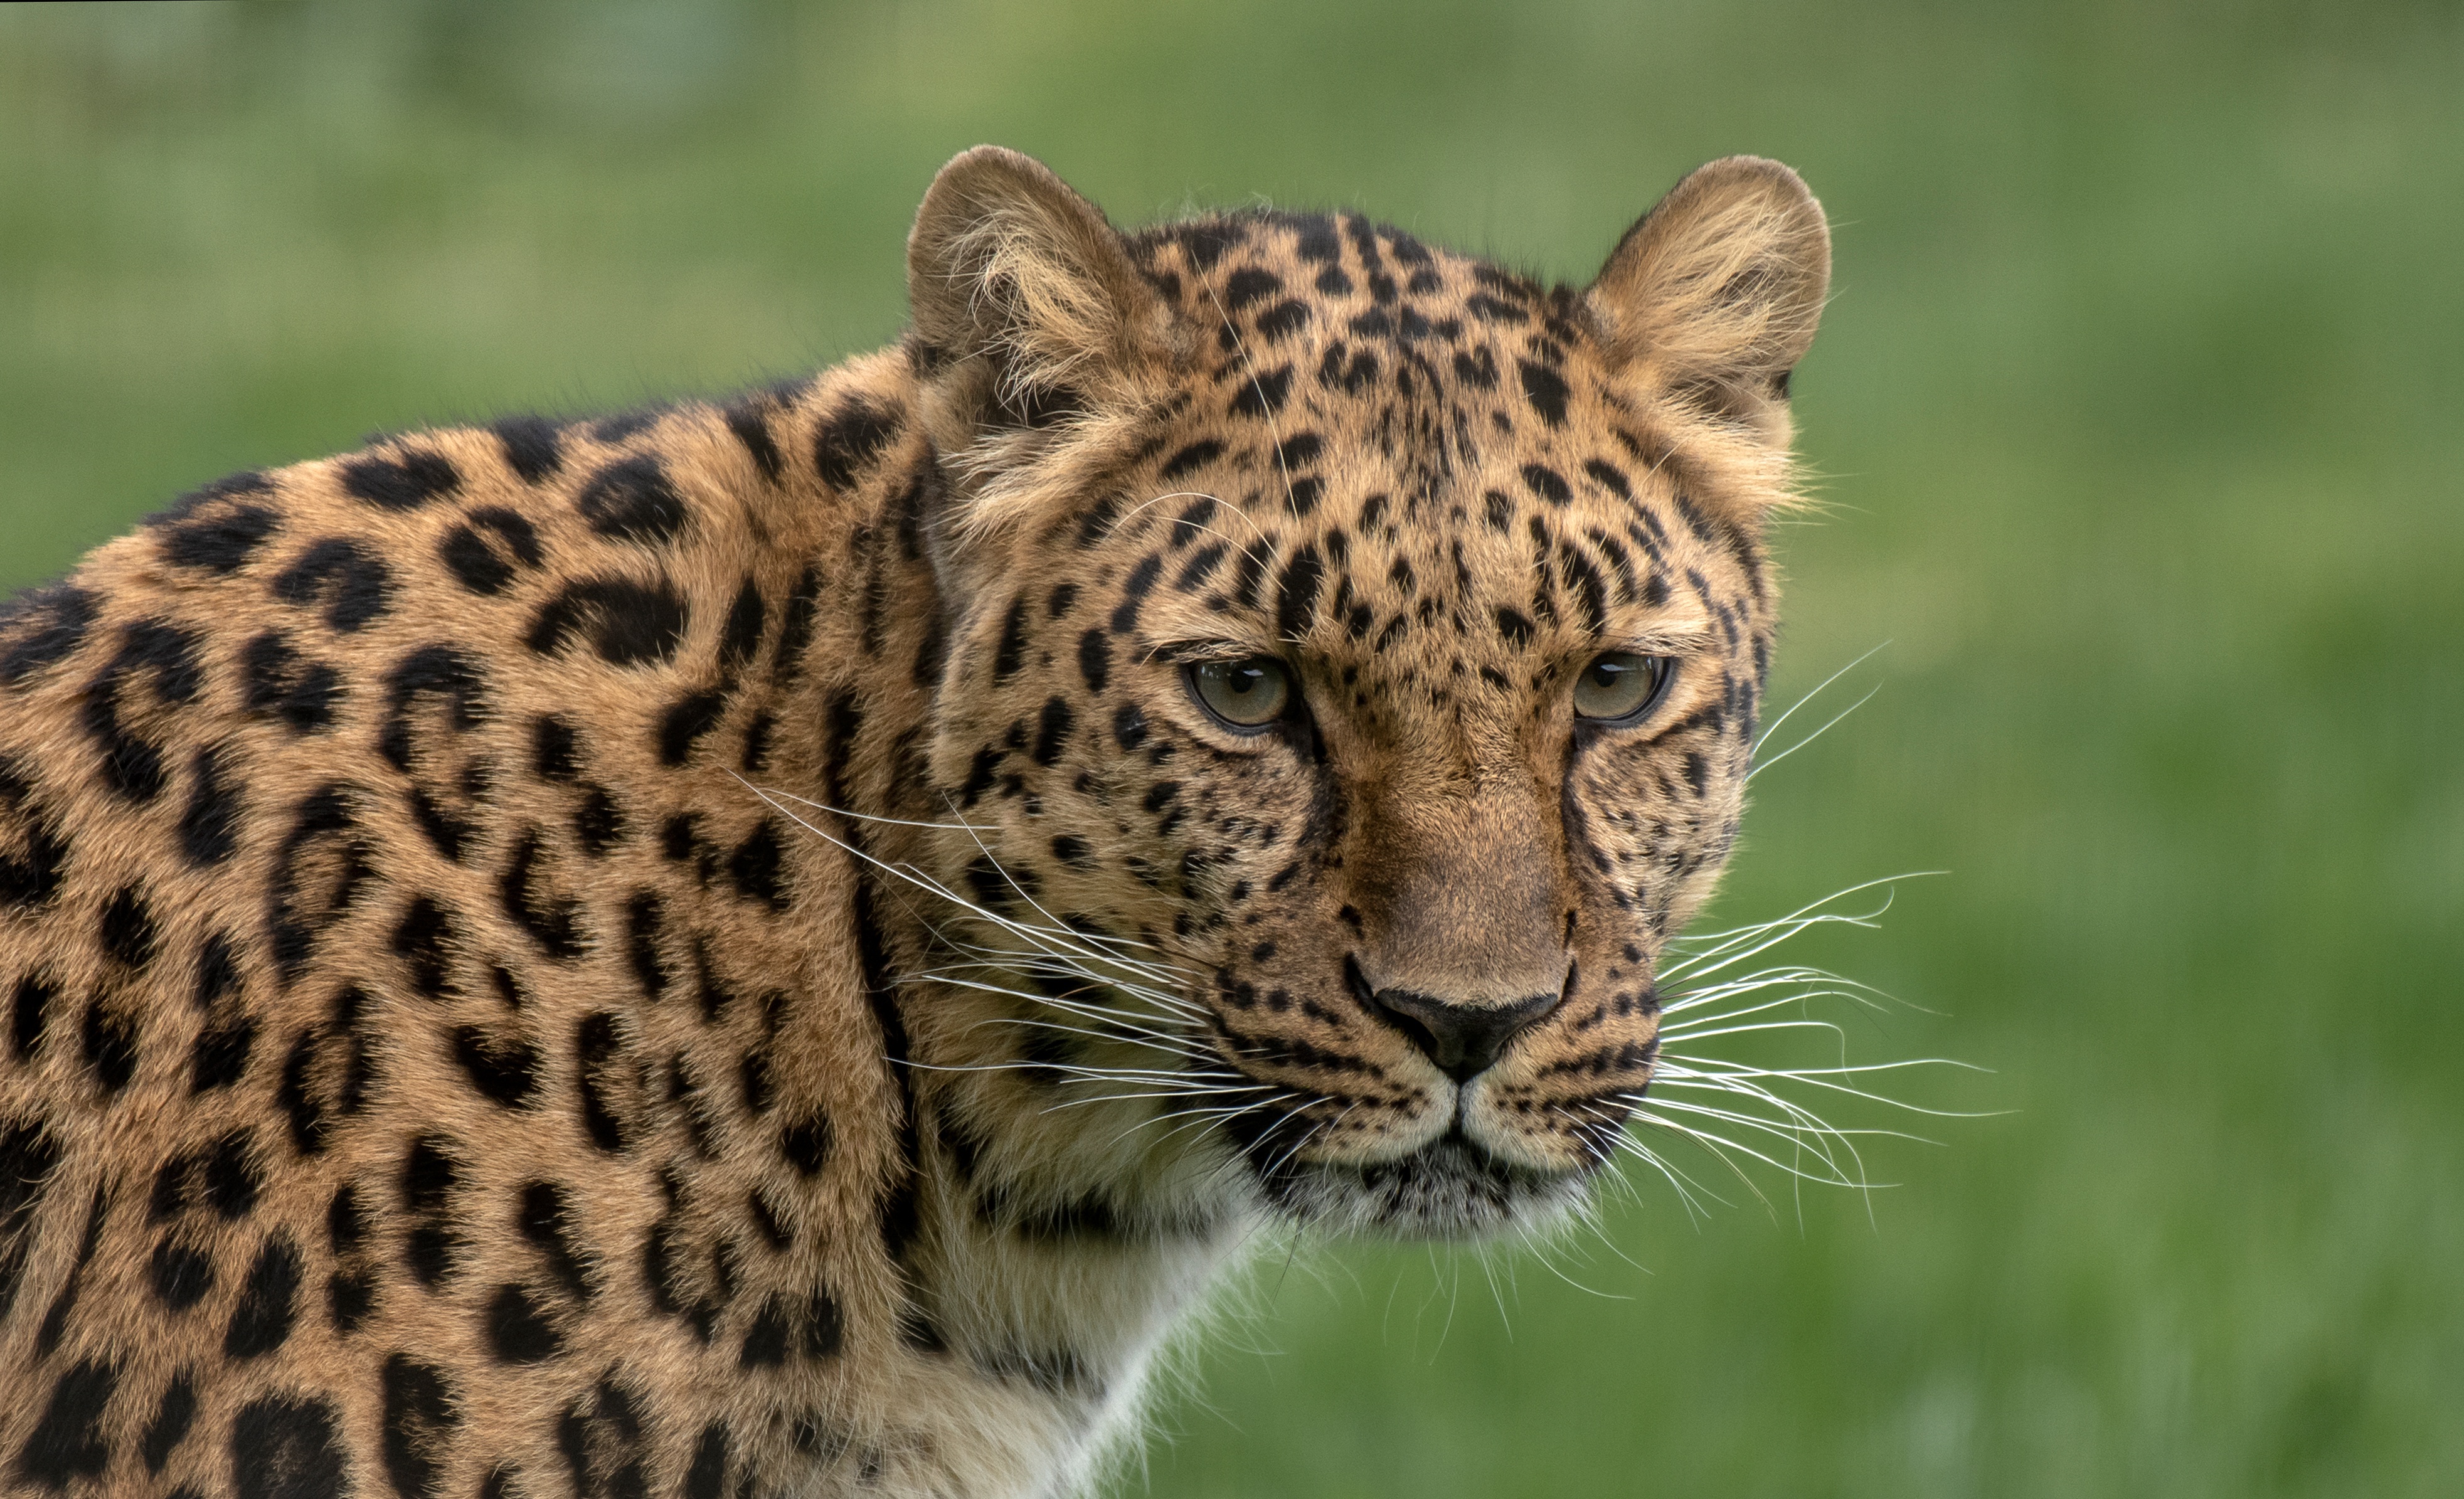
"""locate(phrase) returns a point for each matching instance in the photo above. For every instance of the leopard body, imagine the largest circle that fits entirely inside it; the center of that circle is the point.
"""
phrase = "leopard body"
(715, 951)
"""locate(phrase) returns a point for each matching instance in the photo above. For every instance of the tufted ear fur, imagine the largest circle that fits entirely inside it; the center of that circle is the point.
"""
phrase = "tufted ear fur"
(1033, 330)
(1714, 296)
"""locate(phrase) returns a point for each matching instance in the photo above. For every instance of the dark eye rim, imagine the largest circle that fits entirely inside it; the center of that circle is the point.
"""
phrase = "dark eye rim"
(1666, 670)
(1189, 671)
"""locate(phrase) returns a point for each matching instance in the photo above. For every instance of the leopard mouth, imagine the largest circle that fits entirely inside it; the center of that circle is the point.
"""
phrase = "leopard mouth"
(1449, 1187)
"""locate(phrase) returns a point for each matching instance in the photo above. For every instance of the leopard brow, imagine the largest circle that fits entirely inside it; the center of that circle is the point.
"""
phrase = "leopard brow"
(1658, 637)
(1190, 652)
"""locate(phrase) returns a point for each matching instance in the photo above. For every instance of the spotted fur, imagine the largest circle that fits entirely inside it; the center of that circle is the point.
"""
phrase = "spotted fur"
(711, 952)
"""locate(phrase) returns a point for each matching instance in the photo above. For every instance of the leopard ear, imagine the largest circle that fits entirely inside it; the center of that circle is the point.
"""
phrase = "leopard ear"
(1714, 295)
(1028, 309)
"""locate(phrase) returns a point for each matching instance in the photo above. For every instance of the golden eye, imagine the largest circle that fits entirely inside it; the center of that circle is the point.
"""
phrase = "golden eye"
(1620, 687)
(1244, 696)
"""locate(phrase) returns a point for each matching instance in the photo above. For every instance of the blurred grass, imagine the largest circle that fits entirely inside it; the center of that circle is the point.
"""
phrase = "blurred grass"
(2137, 412)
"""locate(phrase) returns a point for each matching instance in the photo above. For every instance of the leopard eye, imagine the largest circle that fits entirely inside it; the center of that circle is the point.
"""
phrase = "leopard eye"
(1244, 696)
(1620, 686)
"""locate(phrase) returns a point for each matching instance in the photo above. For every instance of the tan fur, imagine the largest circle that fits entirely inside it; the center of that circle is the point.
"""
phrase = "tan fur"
(714, 953)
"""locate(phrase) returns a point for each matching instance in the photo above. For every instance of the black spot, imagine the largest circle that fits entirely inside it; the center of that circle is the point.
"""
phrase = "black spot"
(1262, 396)
(56, 1321)
(209, 827)
(32, 877)
(283, 684)
(420, 1415)
(1011, 653)
(60, 615)
(1610, 477)
(627, 622)
(707, 1478)
(755, 758)
(110, 1045)
(547, 1222)
(796, 626)
(132, 765)
(766, 1218)
(439, 671)
(422, 941)
(1249, 284)
(221, 542)
(483, 569)
(641, 942)
(1317, 240)
(347, 1220)
(518, 1332)
(753, 1076)
(127, 928)
(318, 874)
(1283, 320)
(506, 1070)
(1301, 496)
(1190, 459)
(1512, 625)
(1547, 483)
(595, 1041)
(755, 867)
(171, 1184)
(686, 720)
(220, 1055)
(1095, 659)
(231, 1176)
(531, 447)
(806, 1143)
(261, 1322)
(67, 1442)
(745, 419)
(428, 1175)
(554, 753)
(631, 500)
(1206, 242)
(553, 921)
(851, 439)
(173, 1415)
(1071, 849)
(824, 1327)
(1300, 452)
(597, 824)
(741, 637)
(1489, 309)
(1052, 731)
(765, 1342)
(1135, 590)
(1296, 593)
(1545, 389)
(351, 1296)
(284, 1447)
(353, 585)
(180, 1274)
(404, 483)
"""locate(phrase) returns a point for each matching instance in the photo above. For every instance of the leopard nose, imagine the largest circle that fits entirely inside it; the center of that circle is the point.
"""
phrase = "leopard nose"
(1464, 1040)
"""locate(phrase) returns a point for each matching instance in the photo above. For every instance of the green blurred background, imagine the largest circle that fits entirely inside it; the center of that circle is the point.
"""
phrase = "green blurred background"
(2136, 414)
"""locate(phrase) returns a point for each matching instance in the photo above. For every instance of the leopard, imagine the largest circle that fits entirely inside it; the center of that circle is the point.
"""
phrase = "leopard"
(787, 944)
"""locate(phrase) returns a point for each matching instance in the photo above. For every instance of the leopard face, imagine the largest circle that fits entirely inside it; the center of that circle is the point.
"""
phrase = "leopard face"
(1363, 645)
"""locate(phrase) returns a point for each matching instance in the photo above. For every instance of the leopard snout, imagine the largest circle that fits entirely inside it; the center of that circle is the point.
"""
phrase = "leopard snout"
(1462, 1038)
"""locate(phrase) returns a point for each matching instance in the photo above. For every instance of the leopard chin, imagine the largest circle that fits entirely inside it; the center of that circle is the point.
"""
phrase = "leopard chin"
(1451, 1189)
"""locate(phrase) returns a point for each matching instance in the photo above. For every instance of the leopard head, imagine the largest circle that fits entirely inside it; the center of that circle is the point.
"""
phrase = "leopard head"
(1355, 658)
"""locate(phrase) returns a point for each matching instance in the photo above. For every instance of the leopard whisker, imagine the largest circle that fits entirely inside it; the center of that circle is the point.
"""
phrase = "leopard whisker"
(1826, 728)
(1772, 727)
